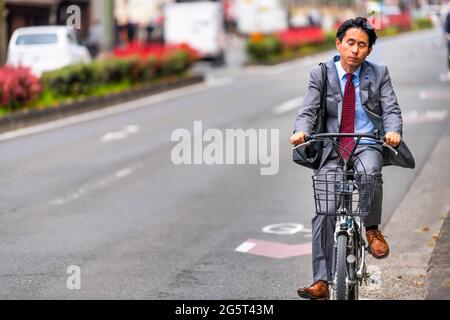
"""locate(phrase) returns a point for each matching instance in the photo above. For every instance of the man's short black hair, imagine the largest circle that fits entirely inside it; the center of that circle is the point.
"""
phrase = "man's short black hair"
(359, 23)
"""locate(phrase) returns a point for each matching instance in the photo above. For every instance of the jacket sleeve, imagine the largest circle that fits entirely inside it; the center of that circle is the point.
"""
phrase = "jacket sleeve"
(392, 115)
(307, 114)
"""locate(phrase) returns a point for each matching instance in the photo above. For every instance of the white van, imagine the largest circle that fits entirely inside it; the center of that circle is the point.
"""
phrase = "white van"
(198, 24)
(46, 48)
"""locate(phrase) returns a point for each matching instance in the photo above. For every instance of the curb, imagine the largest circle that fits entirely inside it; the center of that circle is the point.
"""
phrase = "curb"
(27, 118)
(439, 269)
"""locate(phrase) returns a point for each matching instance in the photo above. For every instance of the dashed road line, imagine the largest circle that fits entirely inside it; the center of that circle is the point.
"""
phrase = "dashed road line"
(288, 105)
(417, 117)
(119, 135)
(91, 187)
(113, 110)
(434, 95)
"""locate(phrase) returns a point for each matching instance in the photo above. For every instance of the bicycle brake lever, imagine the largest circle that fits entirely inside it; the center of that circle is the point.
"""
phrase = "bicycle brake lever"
(303, 144)
(390, 148)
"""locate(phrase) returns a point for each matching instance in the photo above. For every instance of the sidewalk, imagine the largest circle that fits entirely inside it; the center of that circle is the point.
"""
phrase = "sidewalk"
(417, 233)
(439, 283)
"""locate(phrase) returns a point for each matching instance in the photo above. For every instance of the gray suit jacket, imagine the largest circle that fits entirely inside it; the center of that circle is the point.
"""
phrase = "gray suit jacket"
(377, 98)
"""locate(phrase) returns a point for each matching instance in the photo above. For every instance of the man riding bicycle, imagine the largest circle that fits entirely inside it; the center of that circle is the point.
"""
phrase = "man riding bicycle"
(360, 99)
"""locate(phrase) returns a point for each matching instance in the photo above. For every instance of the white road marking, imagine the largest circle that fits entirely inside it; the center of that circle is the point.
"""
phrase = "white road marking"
(219, 82)
(434, 95)
(124, 173)
(414, 117)
(288, 105)
(245, 247)
(119, 135)
(90, 187)
(286, 228)
(109, 111)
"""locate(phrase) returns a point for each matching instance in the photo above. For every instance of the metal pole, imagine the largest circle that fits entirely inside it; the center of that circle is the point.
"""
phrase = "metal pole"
(108, 24)
(3, 37)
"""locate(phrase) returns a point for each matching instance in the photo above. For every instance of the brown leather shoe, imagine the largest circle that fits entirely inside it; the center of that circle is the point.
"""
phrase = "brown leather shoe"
(377, 244)
(317, 291)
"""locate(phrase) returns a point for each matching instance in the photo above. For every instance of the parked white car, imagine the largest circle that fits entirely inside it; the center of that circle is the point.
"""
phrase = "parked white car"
(46, 48)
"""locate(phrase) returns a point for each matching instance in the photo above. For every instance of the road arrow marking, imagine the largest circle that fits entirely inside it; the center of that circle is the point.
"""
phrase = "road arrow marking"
(274, 250)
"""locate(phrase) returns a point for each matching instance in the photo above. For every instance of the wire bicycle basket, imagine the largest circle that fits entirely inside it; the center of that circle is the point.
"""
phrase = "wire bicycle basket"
(343, 194)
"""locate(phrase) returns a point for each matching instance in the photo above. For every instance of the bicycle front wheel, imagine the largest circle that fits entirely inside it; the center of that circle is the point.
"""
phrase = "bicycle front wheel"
(341, 268)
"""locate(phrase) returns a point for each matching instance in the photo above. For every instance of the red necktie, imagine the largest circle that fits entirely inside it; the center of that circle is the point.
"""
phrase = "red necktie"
(348, 118)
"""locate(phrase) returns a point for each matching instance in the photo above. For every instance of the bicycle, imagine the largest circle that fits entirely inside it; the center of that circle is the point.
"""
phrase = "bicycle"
(347, 196)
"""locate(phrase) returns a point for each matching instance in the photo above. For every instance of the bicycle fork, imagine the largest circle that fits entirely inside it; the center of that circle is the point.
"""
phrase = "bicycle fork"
(355, 255)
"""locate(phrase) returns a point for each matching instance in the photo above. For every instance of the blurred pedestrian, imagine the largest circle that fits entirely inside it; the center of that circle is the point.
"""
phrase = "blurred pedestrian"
(94, 38)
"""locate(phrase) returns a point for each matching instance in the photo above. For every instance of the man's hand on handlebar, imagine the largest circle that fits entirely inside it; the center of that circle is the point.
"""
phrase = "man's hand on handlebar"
(298, 138)
(393, 139)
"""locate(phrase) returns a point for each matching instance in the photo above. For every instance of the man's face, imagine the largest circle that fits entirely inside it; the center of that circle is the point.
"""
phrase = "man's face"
(354, 47)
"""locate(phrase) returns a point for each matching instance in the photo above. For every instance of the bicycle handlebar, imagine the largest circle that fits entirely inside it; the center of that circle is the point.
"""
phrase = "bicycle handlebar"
(313, 137)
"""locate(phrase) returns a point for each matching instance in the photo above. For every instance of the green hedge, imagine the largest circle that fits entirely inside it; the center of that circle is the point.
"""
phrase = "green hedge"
(269, 49)
(264, 49)
(83, 79)
(422, 23)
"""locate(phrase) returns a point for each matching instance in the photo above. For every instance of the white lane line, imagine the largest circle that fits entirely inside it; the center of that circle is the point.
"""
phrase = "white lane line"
(414, 117)
(434, 95)
(245, 247)
(117, 109)
(90, 187)
(219, 82)
(288, 105)
(119, 135)
(123, 173)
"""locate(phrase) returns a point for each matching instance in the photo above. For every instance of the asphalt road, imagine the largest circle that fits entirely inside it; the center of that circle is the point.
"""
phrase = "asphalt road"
(101, 191)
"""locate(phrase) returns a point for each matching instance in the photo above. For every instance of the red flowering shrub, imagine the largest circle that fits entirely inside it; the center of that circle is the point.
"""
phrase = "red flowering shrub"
(18, 86)
(270, 47)
(158, 59)
(156, 50)
(294, 38)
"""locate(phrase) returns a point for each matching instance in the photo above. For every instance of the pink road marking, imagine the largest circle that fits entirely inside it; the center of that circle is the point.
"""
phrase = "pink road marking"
(274, 249)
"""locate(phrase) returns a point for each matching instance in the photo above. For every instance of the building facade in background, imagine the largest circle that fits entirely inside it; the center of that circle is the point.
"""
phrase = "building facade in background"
(24, 13)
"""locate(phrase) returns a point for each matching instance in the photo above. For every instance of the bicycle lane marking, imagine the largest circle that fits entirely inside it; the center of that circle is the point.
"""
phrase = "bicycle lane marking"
(274, 250)
(278, 250)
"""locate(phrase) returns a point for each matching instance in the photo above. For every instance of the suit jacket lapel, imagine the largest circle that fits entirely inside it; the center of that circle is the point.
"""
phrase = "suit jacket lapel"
(364, 82)
(335, 87)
